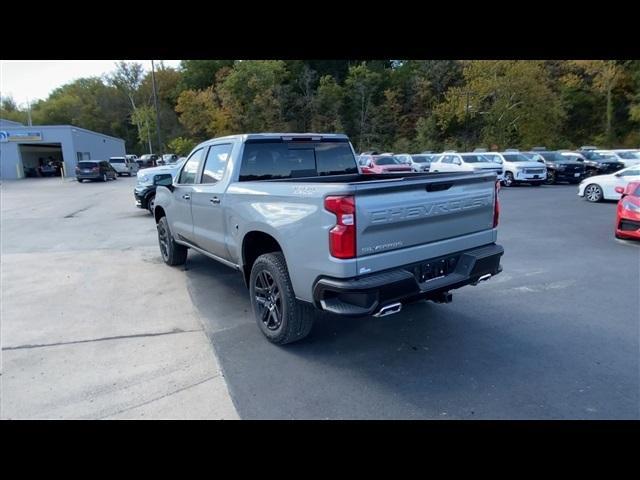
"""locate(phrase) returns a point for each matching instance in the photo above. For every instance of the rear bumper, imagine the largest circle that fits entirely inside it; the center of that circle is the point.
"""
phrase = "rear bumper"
(89, 176)
(361, 296)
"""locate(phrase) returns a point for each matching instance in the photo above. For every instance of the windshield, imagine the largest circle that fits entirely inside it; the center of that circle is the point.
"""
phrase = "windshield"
(476, 159)
(386, 161)
(629, 155)
(421, 158)
(554, 157)
(515, 157)
(145, 157)
(492, 157)
(601, 156)
(405, 159)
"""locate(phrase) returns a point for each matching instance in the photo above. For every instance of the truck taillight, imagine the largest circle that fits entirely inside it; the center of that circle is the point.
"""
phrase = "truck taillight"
(342, 237)
(496, 206)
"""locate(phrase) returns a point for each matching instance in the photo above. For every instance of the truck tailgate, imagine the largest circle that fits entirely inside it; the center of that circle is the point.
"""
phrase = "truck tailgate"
(393, 215)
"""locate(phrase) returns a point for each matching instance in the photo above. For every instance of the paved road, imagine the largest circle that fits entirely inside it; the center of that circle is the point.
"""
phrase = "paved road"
(555, 336)
(94, 325)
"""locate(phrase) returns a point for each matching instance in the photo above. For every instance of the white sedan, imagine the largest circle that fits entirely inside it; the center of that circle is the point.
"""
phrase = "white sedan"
(603, 187)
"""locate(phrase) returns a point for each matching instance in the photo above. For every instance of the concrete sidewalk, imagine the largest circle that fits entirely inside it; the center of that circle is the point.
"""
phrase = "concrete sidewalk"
(94, 325)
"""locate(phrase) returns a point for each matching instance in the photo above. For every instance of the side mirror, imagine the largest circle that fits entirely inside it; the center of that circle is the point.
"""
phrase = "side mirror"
(620, 190)
(619, 174)
(163, 180)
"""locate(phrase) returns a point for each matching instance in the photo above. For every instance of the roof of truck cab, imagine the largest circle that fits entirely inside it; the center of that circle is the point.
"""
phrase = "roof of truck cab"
(266, 136)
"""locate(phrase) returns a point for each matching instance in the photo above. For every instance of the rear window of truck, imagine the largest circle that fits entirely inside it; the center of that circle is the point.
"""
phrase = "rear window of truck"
(279, 159)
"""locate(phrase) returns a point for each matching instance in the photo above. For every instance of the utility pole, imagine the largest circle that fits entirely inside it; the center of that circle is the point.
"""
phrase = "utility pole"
(29, 111)
(466, 124)
(155, 103)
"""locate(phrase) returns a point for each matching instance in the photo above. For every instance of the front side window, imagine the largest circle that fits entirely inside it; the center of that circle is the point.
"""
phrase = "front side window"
(216, 163)
(190, 169)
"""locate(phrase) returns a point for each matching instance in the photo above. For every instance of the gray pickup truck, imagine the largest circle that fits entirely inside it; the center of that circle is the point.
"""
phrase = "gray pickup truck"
(307, 231)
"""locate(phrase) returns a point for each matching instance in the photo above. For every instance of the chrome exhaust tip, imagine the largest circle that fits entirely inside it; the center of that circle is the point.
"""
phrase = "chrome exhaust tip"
(484, 277)
(388, 310)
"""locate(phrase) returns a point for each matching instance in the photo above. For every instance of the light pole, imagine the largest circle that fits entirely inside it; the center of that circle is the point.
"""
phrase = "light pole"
(155, 103)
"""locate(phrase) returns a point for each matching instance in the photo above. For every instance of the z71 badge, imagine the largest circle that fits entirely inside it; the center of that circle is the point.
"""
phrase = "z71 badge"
(304, 190)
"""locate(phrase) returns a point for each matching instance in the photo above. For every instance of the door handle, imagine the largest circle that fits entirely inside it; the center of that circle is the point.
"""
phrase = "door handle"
(214, 200)
(186, 196)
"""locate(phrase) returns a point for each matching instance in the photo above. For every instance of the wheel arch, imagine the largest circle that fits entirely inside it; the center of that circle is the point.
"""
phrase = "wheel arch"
(158, 213)
(254, 244)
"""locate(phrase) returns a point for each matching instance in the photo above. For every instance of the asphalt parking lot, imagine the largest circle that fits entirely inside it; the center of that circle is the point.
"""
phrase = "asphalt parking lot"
(554, 336)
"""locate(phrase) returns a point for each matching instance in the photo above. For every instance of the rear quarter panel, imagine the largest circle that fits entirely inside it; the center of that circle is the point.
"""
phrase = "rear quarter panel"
(294, 215)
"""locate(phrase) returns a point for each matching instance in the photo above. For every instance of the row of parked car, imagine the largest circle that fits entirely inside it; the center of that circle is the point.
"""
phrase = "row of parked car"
(513, 167)
(129, 165)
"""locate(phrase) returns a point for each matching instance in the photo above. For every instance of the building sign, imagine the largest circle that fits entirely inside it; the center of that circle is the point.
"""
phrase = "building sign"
(20, 136)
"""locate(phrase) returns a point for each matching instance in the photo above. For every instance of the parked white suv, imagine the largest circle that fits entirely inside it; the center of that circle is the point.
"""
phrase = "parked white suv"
(467, 162)
(519, 169)
(124, 165)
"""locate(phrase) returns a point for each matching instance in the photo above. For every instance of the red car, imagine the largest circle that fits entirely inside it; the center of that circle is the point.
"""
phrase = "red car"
(628, 216)
(382, 164)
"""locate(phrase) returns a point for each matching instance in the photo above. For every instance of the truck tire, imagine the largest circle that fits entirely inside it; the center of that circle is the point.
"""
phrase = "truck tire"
(172, 253)
(280, 316)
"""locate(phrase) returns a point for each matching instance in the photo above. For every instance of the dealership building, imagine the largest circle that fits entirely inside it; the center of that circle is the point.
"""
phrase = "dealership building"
(23, 149)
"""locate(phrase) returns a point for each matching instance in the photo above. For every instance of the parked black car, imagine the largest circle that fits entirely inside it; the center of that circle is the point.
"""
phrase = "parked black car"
(559, 167)
(145, 193)
(598, 163)
(95, 170)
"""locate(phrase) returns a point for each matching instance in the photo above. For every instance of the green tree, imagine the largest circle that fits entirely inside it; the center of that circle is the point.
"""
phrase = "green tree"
(362, 86)
(327, 106)
(510, 102)
(145, 118)
(10, 111)
(182, 146)
(605, 76)
(252, 95)
(202, 114)
(201, 74)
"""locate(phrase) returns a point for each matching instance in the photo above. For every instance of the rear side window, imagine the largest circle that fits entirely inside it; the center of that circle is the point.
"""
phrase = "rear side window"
(274, 159)
(191, 167)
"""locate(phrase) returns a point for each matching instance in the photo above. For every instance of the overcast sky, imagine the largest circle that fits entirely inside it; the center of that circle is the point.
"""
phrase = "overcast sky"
(36, 79)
